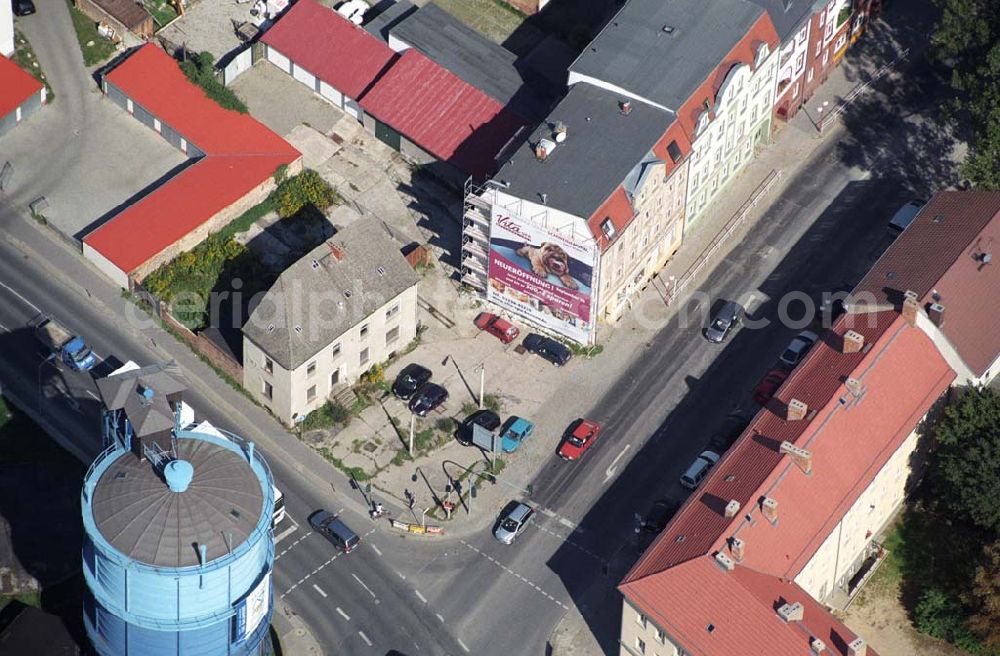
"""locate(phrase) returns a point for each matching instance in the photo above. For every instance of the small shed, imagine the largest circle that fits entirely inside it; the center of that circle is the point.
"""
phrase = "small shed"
(20, 95)
(122, 15)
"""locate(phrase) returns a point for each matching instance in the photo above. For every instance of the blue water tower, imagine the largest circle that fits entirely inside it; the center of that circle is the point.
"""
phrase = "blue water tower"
(178, 550)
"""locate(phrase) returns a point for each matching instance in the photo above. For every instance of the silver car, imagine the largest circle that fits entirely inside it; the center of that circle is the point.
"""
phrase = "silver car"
(699, 469)
(798, 348)
(512, 521)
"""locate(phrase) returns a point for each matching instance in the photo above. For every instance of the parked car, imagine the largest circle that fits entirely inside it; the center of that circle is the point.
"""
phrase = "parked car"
(555, 352)
(499, 327)
(724, 321)
(732, 427)
(798, 348)
(582, 435)
(832, 306)
(485, 418)
(696, 473)
(904, 216)
(513, 520)
(23, 7)
(768, 386)
(515, 431)
(659, 515)
(409, 380)
(333, 529)
(429, 397)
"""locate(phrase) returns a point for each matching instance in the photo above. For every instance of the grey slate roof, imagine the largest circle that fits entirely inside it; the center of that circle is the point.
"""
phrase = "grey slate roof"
(138, 514)
(324, 296)
(634, 52)
(388, 17)
(602, 148)
(788, 15)
(124, 391)
(489, 67)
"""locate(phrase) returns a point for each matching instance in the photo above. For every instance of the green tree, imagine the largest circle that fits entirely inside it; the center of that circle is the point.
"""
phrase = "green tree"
(967, 40)
(984, 598)
(968, 457)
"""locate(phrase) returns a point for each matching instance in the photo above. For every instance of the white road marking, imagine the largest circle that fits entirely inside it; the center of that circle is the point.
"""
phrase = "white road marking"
(571, 543)
(26, 301)
(364, 586)
(376, 550)
(365, 638)
(303, 579)
(568, 524)
(319, 590)
(343, 614)
(439, 616)
(420, 596)
(288, 531)
(5, 328)
(610, 471)
(400, 575)
(93, 396)
(462, 644)
(510, 571)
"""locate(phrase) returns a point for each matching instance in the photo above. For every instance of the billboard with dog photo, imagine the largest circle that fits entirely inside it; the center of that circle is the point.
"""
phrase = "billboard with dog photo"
(541, 274)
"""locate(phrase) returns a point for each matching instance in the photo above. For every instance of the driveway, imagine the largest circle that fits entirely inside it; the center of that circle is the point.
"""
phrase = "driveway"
(83, 153)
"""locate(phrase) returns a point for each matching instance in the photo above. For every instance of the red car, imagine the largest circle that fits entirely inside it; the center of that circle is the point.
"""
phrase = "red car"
(768, 385)
(583, 434)
(497, 326)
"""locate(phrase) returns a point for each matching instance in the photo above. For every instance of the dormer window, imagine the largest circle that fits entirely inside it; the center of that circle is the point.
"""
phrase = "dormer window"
(608, 228)
(762, 52)
(702, 123)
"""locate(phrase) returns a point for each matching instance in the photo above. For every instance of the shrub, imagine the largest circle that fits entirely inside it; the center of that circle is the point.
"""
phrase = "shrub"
(445, 425)
(199, 69)
(307, 188)
(326, 416)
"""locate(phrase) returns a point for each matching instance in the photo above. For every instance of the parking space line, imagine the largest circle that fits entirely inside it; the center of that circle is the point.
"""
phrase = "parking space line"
(319, 590)
(365, 638)
(462, 645)
(420, 596)
(343, 614)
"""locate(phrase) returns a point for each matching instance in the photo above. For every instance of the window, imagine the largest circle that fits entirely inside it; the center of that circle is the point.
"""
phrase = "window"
(311, 368)
(364, 356)
(392, 335)
(795, 90)
(800, 61)
(393, 311)
(819, 46)
(661, 636)
(364, 331)
(608, 228)
(640, 645)
(268, 390)
(335, 377)
(640, 619)
(311, 393)
(826, 57)
(336, 350)
(269, 365)
(809, 75)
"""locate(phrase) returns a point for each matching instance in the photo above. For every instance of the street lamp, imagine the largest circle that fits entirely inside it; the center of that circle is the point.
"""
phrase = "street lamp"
(481, 368)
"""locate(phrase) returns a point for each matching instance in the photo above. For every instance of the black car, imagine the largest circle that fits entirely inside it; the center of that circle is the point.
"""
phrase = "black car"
(409, 380)
(485, 418)
(427, 398)
(656, 520)
(553, 351)
(730, 430)
(725, 320)
(23, 7)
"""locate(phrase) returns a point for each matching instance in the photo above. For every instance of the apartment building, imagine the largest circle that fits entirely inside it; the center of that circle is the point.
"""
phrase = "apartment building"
(347, 305)
(788, 523)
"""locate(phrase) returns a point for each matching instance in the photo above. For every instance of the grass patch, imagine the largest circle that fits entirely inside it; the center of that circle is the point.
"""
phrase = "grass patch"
(357, 473)
(493, 19)
(162, 12)
(327, 415)
(199, 68)
(585, 351)
(243, 222)
(490, 402)
(94, 47)
(24, 57)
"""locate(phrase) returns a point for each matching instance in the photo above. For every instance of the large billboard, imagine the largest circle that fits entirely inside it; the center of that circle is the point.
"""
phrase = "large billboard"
(542, 275)
(252, 610)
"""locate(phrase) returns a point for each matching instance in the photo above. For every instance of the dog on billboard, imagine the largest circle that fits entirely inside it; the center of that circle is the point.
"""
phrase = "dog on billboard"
(549, 258)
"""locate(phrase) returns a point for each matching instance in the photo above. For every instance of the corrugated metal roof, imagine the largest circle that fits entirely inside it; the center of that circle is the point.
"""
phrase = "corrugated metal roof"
(441, 113)
(16, 86)
(329, 46)
(240, 154)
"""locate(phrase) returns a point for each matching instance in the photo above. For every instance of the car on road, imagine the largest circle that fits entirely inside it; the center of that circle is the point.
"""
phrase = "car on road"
(660, 514)
(768, 386)
(497, 326)
(409, 380)
(904, 216)
(485, 418)
(724, 321)
(732, 427)
(515, 431)
(429, 397)
(513, 520)
(696, 473)
(581, 436)
(798, 348)
(335, 530)
(555, 352)
(23, 7)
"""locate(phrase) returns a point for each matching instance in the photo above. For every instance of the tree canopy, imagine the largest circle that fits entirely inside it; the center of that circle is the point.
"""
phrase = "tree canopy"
(967, 40)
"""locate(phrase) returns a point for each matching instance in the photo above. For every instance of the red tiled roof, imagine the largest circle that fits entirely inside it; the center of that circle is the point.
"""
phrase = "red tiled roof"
(618, 208)
(330, 47)
(935, 254)
(441, 113)
(903, 375)
(240, 154)
(16, 86)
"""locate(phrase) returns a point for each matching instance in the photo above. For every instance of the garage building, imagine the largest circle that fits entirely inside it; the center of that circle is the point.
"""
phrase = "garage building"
(21, 95)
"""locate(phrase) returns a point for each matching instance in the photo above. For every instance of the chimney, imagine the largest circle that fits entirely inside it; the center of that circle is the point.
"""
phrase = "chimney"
(801, 457)
(853, 341)
(737, 547)
(732, 508)
(336, 251)
(559, 134)
(936, 313)
(857, 647)
(625, 107)
(910, 307)
(817, 646)
(796, 410)
(769, 508)
(543, 149)
(853, 386)
(792, 612)
(724, 561)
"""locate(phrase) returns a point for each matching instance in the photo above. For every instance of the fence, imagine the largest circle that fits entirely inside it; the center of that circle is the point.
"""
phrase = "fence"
(859, 91)
(239, 63)
(203, 345)
(721, 238)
